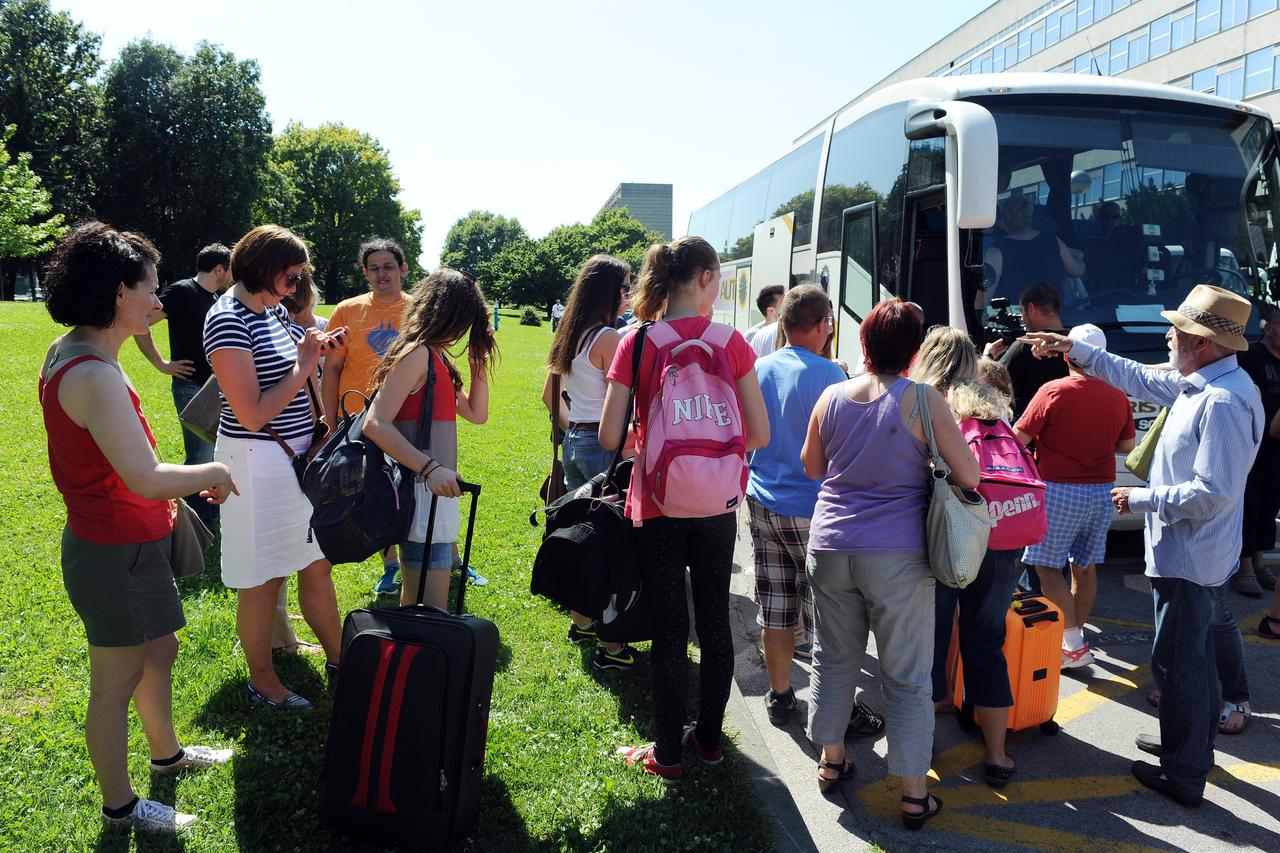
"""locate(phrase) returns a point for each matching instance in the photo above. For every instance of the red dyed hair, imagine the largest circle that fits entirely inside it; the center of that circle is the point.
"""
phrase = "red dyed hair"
(891, 335)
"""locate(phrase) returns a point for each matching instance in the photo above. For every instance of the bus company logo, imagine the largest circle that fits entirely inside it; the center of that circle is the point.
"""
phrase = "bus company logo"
(744, 287)
(1014, 506)
(700, 407)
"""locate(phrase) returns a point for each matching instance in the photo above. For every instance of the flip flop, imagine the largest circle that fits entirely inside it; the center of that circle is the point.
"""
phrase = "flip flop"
(1232, 708)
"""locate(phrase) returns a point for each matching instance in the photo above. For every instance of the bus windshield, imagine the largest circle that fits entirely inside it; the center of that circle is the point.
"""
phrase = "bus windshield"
(1123, 209)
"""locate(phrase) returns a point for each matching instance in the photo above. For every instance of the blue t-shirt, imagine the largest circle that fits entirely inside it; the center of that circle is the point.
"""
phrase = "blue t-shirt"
(791, 379)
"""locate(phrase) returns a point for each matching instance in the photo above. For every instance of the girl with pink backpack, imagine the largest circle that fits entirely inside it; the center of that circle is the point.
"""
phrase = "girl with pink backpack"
(698, 412)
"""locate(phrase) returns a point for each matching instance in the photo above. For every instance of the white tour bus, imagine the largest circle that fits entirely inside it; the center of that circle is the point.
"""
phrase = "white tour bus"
(1151, 189)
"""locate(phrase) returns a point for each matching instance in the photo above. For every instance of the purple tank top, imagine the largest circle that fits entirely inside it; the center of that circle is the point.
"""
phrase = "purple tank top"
(873, 499)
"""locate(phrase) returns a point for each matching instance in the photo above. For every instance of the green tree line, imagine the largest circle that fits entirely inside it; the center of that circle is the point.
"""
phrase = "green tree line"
(177, 147)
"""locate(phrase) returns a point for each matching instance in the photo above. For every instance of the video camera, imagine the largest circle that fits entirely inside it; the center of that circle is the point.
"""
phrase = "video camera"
(1004, 324)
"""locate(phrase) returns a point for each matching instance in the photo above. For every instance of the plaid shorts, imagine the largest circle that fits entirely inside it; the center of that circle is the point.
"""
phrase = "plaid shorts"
(782, 586)
(1079, 517)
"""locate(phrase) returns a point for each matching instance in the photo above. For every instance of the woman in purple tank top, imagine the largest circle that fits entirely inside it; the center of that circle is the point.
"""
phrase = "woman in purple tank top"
(867, 560)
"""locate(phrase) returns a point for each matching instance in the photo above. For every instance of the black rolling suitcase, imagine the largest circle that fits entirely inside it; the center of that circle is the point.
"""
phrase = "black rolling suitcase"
(406, 742)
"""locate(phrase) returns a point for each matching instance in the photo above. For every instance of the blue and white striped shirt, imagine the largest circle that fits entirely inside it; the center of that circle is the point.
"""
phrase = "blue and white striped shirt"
(1195, 503)
(231, 325)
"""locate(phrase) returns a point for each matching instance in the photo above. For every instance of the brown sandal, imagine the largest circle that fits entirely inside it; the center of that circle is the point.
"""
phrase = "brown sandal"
(845, 768)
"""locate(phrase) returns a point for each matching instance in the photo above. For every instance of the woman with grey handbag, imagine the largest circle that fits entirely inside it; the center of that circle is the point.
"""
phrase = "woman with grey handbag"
(118, 545)
(867, 560)
(266, 368)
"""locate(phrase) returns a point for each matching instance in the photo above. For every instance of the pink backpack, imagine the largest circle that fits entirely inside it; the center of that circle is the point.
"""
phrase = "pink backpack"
(1010, 482)
(693, 462)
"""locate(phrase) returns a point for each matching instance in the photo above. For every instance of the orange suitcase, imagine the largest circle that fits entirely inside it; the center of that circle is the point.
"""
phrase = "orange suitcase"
(1033, 652)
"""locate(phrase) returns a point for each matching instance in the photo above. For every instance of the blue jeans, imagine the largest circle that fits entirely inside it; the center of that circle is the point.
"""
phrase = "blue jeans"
(583, 457)
(983, 605)
(1228, 648)
(1182, 661)
(198, 451)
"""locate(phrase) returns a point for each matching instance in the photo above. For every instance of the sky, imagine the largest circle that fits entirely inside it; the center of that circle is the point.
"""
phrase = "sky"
(538, 109)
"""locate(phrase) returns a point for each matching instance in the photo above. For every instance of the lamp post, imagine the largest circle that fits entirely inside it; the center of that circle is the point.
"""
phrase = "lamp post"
(1081, 181)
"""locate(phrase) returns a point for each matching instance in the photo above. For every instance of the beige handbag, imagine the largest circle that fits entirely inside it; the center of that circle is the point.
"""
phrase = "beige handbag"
(201, 415)
(958, 525)
(190, 540)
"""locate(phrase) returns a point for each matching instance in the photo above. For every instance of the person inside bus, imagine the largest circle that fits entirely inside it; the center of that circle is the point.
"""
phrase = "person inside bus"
(1025, 254)
(1115, 254)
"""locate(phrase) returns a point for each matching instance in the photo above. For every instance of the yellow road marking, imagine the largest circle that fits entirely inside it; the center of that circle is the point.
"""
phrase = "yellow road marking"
(1123, 623)
(1036, 837)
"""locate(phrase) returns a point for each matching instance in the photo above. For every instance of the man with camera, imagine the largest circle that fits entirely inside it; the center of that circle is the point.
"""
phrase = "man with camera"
(1040, 305)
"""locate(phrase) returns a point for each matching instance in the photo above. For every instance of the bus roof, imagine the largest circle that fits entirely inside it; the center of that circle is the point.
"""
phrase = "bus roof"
(970, 85)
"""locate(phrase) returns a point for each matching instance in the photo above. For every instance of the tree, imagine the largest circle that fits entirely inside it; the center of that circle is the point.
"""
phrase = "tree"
(344, 193)
(187, 139)
(48, 66)
(26, 229)
(477, 238)
(524, 273)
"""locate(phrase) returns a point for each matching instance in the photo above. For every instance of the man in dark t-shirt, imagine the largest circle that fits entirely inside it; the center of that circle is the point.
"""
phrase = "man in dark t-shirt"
(185, 304)
(1262, 489)
(1040, 305)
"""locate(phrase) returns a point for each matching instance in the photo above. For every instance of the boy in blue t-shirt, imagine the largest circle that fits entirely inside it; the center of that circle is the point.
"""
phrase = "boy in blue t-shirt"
(780, 497)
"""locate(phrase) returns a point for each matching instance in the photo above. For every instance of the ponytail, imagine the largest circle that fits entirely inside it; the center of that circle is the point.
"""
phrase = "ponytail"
(667, 267)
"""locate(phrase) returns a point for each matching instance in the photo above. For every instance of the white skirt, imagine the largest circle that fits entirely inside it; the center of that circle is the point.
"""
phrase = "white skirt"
(265, 528)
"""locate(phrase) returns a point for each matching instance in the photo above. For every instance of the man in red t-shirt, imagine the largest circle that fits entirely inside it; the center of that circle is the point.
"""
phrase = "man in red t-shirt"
(1079, 424)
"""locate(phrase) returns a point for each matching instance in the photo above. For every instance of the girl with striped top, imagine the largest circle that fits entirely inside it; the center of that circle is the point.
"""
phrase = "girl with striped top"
(266, 366)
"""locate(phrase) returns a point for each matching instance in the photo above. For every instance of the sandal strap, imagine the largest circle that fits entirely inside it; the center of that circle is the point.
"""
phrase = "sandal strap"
(926, 800)
(834, 765)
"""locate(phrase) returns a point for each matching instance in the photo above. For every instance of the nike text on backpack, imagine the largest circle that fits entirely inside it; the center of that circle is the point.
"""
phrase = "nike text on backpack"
(693, 460)
(1010, 482)
(405, 756)
(362, 500)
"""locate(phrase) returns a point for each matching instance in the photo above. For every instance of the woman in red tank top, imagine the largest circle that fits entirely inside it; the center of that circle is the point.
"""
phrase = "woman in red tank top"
(120, 511)
(446, 307)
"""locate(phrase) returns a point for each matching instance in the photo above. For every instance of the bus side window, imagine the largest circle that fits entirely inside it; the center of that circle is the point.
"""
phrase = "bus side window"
(927, 257)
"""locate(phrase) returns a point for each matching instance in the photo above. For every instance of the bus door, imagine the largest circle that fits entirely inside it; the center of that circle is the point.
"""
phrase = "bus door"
(925, 282)
(771, 256)
(859, 254)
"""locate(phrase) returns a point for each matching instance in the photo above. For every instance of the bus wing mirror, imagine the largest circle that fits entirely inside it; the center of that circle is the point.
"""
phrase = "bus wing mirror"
(972, 154)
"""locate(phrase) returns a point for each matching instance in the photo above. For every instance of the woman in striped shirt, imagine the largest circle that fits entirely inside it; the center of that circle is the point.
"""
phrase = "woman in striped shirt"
(266, 366)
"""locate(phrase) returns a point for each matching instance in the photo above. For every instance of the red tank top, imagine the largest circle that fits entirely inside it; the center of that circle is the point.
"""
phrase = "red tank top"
(100, 507)
(444, 402)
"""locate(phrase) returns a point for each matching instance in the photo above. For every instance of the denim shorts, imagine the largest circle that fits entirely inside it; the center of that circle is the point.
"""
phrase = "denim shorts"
(412, 553)
(583, 457)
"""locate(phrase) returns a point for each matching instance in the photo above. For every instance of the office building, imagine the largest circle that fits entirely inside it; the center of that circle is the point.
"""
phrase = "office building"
(649, 203)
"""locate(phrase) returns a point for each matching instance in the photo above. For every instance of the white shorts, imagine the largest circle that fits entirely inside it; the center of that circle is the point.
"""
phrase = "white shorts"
(265, 528)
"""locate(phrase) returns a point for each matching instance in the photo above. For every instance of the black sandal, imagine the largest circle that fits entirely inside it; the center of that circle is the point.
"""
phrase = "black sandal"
(847, 771)
(1265, 629)
(914, 822)
(997, 776)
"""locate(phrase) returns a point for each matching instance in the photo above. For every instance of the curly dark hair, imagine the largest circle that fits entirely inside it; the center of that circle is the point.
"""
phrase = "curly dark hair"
(87, 267)
(380, 244)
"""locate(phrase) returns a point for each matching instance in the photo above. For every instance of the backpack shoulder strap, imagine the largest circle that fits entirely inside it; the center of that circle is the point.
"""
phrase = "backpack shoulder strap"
(428, 405)
(718, 334)
(662, 335)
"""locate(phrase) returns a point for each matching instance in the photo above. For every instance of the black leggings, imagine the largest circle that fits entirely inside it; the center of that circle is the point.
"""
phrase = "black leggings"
(705, 545)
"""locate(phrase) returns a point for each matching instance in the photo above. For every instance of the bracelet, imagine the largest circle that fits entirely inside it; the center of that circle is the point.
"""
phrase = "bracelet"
(425, 469)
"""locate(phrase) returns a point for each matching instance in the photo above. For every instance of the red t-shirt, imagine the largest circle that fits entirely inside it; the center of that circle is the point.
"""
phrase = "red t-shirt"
(1077, 422)
(742, 359)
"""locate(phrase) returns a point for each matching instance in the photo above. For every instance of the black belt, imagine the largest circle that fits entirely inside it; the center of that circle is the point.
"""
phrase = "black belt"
(591, 427)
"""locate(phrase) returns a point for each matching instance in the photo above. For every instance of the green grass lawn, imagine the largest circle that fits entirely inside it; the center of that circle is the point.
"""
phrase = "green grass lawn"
(551, 780)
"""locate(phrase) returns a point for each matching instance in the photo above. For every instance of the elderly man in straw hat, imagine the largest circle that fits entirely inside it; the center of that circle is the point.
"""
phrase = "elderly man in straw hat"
(1193, 510)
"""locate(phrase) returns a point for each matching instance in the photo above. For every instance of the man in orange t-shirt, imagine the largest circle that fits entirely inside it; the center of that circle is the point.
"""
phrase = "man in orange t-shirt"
(373, 322)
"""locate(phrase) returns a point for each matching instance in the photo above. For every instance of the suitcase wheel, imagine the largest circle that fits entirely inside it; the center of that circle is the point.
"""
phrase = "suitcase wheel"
(1050, 728)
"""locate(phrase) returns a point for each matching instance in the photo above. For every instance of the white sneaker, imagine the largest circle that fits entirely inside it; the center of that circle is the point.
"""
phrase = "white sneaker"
(1073, 658)
(194, 758)
(150, 816)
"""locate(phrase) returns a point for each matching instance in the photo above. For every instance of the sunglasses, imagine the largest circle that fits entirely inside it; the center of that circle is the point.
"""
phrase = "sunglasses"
(294, 278)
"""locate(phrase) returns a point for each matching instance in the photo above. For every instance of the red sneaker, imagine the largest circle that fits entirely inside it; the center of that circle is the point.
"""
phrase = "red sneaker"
(708, 756)
(643, 756)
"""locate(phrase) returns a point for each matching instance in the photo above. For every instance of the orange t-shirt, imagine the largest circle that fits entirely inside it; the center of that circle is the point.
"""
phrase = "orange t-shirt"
(371, 326)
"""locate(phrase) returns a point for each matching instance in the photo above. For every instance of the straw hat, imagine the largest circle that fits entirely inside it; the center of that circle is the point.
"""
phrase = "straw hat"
(1213, 313)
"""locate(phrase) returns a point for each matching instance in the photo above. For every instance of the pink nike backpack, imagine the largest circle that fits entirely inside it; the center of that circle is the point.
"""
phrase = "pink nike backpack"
(693, 461)
(1010, 482)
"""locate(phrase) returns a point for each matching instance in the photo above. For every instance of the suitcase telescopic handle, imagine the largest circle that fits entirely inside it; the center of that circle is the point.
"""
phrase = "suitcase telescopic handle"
(467, 488)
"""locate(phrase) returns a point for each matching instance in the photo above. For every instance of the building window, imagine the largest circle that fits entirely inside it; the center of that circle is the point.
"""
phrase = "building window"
(1100, 61)
(1111, 181)
(1204, 80)
(1137, 49)
(1052, 28)
(1119, 54)
(1084, 65)
(1010, 53)
(1068, 22)
(1160, 36)
(1207, 18)
(1230, 84)
(1118, 5)
(1084, 14)
(1101, 9)
(1261, 7)
(1024, 45)
(997, 59)
(1037, 40)
(1257, 71)
(1184, 29)
(1233, 12)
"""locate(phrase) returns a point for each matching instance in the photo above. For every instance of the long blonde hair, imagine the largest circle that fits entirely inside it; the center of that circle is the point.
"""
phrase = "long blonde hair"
(973, 399)
(946, 358)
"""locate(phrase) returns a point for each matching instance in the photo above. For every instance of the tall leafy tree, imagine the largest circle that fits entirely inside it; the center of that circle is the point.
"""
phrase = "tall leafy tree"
(188, 140)
(477, 238)
(26, 227)
(344, 193)
(48, 66)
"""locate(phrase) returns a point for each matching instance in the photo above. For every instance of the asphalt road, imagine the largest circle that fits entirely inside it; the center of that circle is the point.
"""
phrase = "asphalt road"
(1072, 792)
